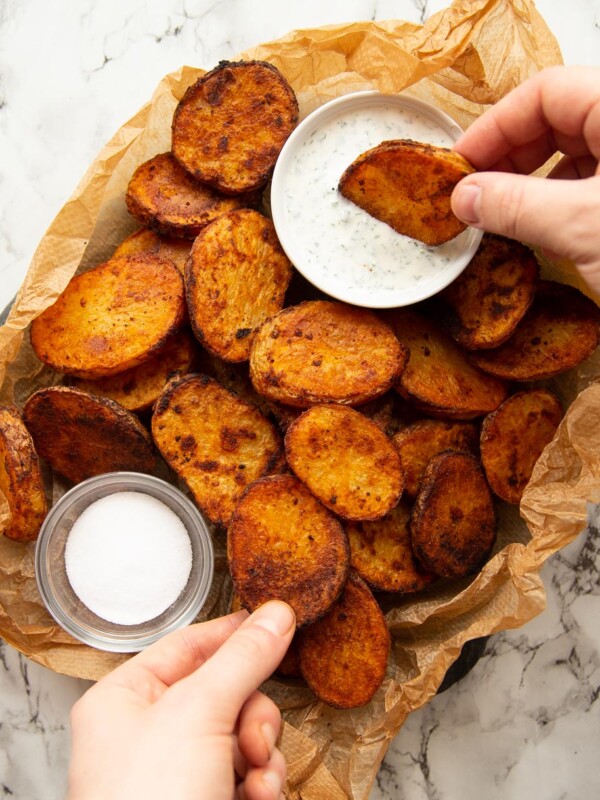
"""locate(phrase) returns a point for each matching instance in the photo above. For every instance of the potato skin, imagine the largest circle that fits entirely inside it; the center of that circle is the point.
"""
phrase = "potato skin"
(453, 521)
(230, 126)
(343, 657)
(408, 185)
(20, 478)
(235, 279)
(145, 240)
(346, 461)
(112, 317)
(214, 441)
(81, 436)
(325, 352)
(283, 544)
(513, 437)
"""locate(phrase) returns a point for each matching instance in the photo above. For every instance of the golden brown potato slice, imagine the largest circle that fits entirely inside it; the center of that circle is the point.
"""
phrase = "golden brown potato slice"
(438, 376)
(343, 657)
(234, 377)
(346, 461)
(112, 317)
(214, 441)
(484, 305)
(80, 435)
(20, 478)
(282, 544)
(325, 352)
(513, 437)
(138, 388)
(231, 124)
(408, 185)
(163, 196)
(560, 330)
(146, 241)
(453, 522)
(289, 666)
(235, 279)
(381, 553)
(420, 442)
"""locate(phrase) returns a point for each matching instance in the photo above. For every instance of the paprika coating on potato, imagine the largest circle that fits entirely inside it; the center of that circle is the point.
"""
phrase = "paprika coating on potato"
(80, 435)
(325, 352)
(20, 478)
(513, 437)
(282, 544)
(343, 657)
(346, 461)
(112, 317)
(145, 240)
(215, 442)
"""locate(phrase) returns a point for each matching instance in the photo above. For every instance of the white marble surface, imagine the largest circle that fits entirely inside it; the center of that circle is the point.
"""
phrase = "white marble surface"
(525, 722)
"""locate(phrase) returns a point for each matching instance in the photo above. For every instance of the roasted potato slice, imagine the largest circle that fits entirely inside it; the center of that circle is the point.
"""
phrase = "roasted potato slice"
(453, 521)
(419, 442)
(325, 352)
(343, 657)
(513, 437)
(408, 185)
(214, 441)
(289, 666)
(346, 461)
(381, 553)
(235, 279)
(163, 196)
(138, 388)
(112, 317)
(80, 435)
(146, 241)
(231, 124)
(438, 376)
(484, 305)
(20, 478)
(283, 544)
(560, 330)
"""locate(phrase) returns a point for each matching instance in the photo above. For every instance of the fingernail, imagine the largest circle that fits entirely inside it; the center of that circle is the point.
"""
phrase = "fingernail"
(269, 736)
(275, 617)
(466, 203)
(273, 781)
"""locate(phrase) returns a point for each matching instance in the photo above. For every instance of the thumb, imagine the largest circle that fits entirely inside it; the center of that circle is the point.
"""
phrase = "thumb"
(558, 215)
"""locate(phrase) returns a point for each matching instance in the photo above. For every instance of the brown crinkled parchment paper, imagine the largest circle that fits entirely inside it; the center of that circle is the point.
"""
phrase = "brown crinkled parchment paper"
(463, 59)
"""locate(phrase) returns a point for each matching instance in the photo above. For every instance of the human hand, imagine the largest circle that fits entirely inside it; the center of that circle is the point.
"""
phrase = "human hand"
(556, 110)
(176, 720)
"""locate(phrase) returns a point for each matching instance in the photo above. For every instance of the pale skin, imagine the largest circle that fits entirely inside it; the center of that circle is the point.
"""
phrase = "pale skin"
(185, 718)
(558, 110)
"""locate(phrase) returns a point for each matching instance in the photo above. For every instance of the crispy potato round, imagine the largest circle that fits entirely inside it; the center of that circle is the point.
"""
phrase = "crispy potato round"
(408, 185)
(80, 435)
(138, 388)
(235, 279)
(343, 657)
(381, 553)
(146, 241)
(289, 666)
(231, 124)
(513, 437)
(560, 330)
(214, 441)
(112, 317)
(20, 478)
(282, 544)
(438, 376)
(346, 461)
(325, 352)
(419, 442)
(453, 522)
(233, 377)
(484, 305)
(163, 196)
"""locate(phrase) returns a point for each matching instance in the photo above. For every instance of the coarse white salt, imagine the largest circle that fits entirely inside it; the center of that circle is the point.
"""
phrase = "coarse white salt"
(128, 557)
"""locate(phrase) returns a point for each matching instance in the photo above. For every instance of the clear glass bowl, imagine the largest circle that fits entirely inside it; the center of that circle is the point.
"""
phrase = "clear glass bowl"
(62, 602)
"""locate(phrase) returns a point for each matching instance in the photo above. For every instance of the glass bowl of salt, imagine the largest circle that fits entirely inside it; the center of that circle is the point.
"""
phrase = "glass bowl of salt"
(123, 559)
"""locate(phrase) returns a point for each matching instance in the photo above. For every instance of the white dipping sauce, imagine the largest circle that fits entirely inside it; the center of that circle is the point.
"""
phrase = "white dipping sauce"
(128, 557)
(334, 243)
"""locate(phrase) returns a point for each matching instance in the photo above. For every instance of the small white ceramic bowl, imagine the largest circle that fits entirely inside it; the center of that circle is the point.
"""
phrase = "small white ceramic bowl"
(337, 246)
